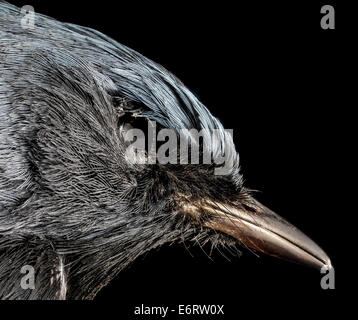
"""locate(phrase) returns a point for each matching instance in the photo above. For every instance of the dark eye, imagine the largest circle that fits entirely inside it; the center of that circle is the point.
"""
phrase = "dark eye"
(130, 121)
(130, 113)
(131, 116)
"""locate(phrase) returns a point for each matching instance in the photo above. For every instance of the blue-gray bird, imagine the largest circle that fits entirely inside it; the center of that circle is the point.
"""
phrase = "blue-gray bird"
(73, 206)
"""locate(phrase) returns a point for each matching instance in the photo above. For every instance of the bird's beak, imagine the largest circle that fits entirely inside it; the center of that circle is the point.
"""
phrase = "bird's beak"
(259, 228)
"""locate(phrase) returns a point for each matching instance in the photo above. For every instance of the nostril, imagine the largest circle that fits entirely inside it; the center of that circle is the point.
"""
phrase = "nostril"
(248, 208)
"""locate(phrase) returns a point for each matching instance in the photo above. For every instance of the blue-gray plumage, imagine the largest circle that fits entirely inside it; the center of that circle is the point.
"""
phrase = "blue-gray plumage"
(71, 204)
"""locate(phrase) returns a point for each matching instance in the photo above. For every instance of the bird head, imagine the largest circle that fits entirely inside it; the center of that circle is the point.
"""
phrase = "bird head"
(73, 100)
(205, 201)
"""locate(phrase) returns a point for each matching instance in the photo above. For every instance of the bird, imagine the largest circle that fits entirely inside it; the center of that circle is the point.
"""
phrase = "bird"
(73, 204)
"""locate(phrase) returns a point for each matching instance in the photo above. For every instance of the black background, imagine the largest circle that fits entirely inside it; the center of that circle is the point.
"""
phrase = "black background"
(269, 72)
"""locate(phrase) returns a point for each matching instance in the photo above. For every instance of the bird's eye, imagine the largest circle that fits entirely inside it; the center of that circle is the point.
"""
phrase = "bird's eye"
(130, 121)
(130, 114)
(140, 123)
